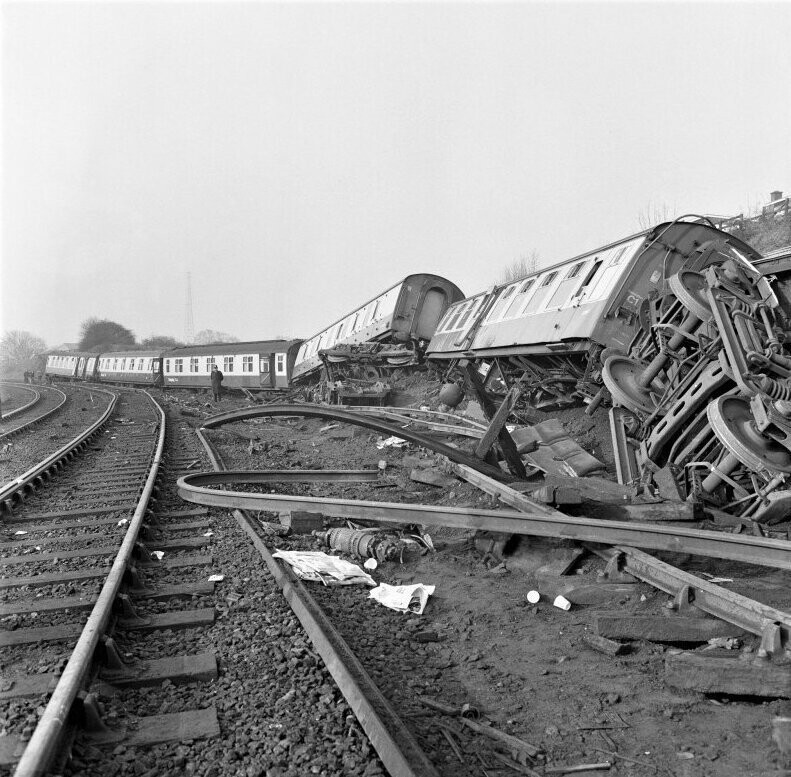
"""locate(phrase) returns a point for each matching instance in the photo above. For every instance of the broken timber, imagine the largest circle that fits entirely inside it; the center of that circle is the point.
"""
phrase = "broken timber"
(734, 676)
(497, 418)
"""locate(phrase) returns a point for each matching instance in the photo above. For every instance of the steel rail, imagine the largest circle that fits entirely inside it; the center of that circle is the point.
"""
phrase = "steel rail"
(462, 426)
(398, 750)
(345, 416)
(21, 408)
(677, 539)
(43, 744)
(38, 419)
(734, 608)
(15, 489)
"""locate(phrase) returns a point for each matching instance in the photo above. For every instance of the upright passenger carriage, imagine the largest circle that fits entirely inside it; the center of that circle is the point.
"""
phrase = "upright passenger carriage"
(404, 316)
(256, 366)
(141, 368)
(70, 365)
(554, 328)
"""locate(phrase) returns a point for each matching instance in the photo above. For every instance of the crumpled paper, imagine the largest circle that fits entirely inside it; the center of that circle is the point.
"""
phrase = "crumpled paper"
(395, 442)
(404, 598)
(318, 567)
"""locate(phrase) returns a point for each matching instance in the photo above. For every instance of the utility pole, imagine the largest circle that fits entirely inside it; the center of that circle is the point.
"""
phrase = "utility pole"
(189, 324)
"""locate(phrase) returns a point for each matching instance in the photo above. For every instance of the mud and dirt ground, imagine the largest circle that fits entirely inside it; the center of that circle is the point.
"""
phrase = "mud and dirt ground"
(527, 666)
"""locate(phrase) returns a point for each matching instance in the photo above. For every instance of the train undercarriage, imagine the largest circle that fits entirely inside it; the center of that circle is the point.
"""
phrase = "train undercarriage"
(699, 406)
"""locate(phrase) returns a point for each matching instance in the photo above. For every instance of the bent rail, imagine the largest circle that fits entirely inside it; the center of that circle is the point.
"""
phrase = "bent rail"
(345, 416)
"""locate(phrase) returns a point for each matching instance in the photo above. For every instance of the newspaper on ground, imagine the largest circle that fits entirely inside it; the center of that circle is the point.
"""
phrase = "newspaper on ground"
(320, 567)
(404, 598)
(394, 442)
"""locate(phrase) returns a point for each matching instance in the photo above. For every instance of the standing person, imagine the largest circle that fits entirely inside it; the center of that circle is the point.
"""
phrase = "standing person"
(216, 382)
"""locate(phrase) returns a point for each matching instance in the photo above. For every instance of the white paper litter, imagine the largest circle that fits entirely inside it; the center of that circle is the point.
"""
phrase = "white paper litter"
(158, 554)
(216, 578)
(394, 442)
(209, 533)
(404, 598)
(318, 567)
(20, 532)
(122, 522)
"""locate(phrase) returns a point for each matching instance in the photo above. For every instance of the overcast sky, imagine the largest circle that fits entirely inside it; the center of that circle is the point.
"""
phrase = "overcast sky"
(298, 159)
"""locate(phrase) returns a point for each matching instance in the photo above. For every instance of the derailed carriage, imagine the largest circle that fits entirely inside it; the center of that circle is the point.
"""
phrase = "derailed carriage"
(389, 330)
(680, 331)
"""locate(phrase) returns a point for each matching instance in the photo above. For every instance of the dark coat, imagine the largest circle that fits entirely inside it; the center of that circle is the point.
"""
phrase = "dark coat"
(216, 379)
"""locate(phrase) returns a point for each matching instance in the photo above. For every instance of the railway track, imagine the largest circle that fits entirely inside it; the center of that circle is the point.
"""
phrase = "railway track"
(17, 398)
(47, 401)
(227, 680)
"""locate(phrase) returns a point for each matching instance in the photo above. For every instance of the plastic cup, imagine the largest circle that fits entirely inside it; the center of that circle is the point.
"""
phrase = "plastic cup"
(533, 597)
(562, 603)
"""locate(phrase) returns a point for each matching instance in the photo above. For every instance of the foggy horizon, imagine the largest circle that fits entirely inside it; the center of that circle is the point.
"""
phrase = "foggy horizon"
(299, 159)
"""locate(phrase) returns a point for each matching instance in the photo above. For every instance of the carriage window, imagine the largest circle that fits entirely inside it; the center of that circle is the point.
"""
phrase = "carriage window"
(209, 363)
(264, 365)
(469, 308)
(194, 363)
(589, 277)
(551, 277)
(115, 364)
(280, 364)
(179, 365)
(227, 363)
(132, 364)
(574, 271)
(247, 363)
(519, 298)
(454, 316)
(619, 255)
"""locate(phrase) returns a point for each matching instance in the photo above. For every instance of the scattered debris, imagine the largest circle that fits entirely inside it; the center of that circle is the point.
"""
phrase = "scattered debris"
(318, 567)
(604, 645)
(390, 442)
(562, 603)
(404, 598)
(216, 578)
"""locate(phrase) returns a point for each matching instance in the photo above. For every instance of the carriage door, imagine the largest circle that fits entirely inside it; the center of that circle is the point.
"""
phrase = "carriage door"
(281, 370)
(435, 303)
(266, 366)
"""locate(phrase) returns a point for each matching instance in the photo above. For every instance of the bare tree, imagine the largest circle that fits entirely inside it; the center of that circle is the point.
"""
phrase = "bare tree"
(653, 214)
(20, 351)
(211, 336)
(526, 264)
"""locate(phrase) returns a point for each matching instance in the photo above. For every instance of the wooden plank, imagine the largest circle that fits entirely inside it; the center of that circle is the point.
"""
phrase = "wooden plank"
(176, 619)
(30, 558)
(201, 511)
(66, 631)
(48, 605)
(11, 748)
(507, 444)
(177, 669)
(68, 525)
(53, 578)
(673, 628)
(496, 424)
(604, 645)
(129, 506)
(158, 729)
(203, 588)
(30, 685)
(734, 676)
(184, 543)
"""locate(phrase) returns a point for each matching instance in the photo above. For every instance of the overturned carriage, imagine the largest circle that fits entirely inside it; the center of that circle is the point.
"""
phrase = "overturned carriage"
(680, 329)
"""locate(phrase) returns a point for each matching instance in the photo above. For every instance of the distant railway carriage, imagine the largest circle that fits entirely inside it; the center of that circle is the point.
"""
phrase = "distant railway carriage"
(142, 368)
(71, 365)
(405, 314)
(256, 366)
(550, 328)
